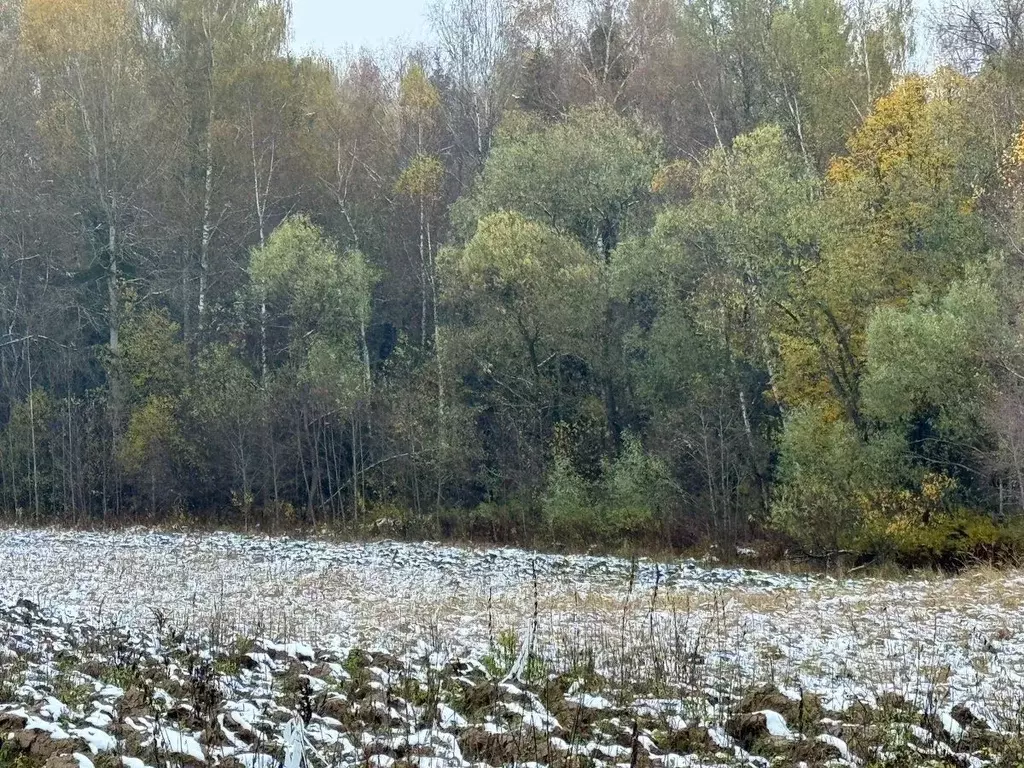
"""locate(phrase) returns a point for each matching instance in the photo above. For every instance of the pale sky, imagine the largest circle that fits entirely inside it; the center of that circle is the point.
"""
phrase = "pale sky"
(333, 25)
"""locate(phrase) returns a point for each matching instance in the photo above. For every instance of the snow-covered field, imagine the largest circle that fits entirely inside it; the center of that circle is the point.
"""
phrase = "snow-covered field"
(385, 593)
(678, 648)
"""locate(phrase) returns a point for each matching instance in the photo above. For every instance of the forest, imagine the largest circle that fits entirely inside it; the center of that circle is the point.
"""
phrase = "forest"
(588, 273)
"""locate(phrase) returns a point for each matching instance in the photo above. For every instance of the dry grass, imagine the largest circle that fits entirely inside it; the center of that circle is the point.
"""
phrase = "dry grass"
(936, 642)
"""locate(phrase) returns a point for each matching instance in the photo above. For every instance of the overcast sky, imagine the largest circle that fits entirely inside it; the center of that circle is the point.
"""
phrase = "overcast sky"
(333, 25)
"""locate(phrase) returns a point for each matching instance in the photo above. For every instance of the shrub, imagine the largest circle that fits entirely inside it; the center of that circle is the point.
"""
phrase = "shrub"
(948, 540)
(820, 475)
(625, 505)
(567, 504)
(636, 492)
(916, 528)
(826, 471)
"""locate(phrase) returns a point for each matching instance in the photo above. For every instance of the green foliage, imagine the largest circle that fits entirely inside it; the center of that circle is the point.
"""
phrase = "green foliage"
(953, 539)
(567, 502)
(503, 653)
(522, 279)
(899, 217)
(636, 490)
(626, 505)
(710, 285)
(933, 355)
(334, 373)
(26, 453)
(819, 476)
(224, 388)
(153, 435)
(838, 492)
(421, 178)
(72, 692)
(302, 273)
(825, 468)
(223, 406)
(154, 362)
(526, 305)
(729, 263)
(12, 756)
(725, 260)
(584, 177)
(417, 94)
(814, 46)
(153, 358)
(322, 297)
(814, 66)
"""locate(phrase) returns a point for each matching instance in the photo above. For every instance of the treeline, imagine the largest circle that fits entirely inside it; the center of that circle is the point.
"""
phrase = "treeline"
(642, 271)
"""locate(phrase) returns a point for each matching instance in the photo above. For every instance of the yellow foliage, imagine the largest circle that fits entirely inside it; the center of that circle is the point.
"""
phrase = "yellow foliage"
(947, 539)
(914, 527)
(418, 95)
(1015, 154)
(58, 29)
(421, 178)
(1012, 165)
(904, 126)
(153, 434)
(886, 133)
(895, 512)
(900, 217)
(935, 487)
(801, 378)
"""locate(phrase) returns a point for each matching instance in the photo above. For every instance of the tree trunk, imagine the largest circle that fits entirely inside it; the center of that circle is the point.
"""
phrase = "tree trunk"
(113, 301)
(32, 429)
(207, 225)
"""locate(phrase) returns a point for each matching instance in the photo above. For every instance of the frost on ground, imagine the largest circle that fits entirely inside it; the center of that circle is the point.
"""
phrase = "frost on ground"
(143, 649)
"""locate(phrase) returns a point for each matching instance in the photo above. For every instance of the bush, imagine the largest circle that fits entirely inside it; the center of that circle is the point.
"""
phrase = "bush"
(820, 475)
(948, 540)
(511, 521)
(636, 490)
(915, 528)
(567, 502)
(826, 471)
(625, 505)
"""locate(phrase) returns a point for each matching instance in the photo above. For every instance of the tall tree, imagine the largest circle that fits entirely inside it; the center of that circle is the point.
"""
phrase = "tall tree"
(88, 58)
